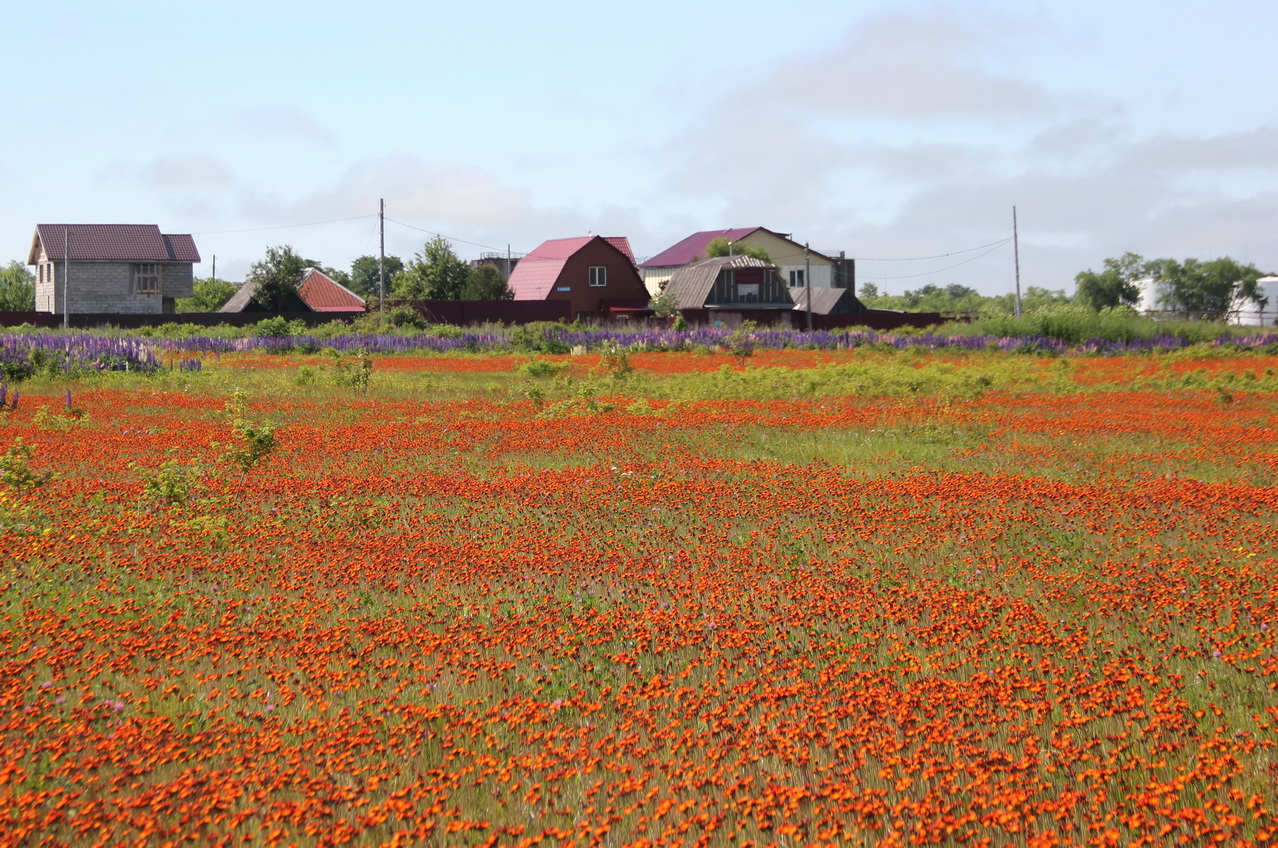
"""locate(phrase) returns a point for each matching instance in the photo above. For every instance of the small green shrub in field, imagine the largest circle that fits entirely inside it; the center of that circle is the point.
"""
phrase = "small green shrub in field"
(540, 368)
(172, 482)
(255, 440)
(353, 371)
(538, 337)
(15, 467)
(278, 327)
(405, 317)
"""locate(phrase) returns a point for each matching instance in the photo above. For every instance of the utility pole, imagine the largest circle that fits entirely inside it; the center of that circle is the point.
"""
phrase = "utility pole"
(381, 259)
(1016, 258)
(66, 276)
(807, 281)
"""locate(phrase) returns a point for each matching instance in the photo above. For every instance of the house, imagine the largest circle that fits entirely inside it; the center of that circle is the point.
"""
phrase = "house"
(828, 301)
(317, 292)
(732, 287)
(111, 268)
(596, 274)
(793, 260)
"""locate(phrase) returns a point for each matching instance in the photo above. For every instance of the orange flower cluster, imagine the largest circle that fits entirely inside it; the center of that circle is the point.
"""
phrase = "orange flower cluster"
(460, 623)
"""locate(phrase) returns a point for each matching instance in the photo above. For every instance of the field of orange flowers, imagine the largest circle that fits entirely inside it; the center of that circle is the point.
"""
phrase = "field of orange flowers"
(1035, 610)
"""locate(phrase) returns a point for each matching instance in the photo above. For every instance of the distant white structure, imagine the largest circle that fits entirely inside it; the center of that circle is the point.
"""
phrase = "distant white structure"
(1247, 313)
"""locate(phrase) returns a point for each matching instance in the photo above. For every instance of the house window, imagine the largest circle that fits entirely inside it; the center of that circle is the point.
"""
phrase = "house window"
(146, 278)
(796, 278)
(748, 292)
(598, 275)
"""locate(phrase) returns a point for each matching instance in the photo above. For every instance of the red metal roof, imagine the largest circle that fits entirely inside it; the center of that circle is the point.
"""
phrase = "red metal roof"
(111, 243)
(694, 247)
(536, 273)
(324, 294)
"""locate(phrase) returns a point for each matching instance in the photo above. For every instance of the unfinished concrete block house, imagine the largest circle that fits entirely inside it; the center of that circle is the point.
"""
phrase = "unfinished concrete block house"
(111, 268)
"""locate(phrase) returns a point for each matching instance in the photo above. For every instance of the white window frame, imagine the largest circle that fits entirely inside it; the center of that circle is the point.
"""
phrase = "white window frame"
(146, 278)
(598, 276)
(796, 278)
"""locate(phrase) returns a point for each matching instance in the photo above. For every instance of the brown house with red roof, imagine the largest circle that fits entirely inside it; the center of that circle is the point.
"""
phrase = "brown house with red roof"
(111, 268)
(597, 275)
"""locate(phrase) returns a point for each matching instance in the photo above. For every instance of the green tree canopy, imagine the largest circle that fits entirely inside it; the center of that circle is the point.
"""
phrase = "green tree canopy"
(17, 288)
(278, 276)
(485, 282)
(366, 275)
(723, 247)
(1117, 285)
(1205, 287)
(211, 294)
(435, 273)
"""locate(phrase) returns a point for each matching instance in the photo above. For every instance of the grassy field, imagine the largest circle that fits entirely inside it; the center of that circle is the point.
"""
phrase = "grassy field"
(791, 598)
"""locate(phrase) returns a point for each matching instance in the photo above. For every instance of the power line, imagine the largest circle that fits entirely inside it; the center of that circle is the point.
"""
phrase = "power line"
(992, 244)
(991, 249)
(441, 235)
(282, 226)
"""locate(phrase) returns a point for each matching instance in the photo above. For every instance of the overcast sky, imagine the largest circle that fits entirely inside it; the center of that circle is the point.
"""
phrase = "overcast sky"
(888, 129)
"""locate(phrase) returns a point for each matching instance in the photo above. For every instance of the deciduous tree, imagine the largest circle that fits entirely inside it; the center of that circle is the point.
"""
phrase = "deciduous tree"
(1117, 285)
(278, 276)
(17, 288)
(435, 273)
(366, 275)
(485, 282)
(210, 295)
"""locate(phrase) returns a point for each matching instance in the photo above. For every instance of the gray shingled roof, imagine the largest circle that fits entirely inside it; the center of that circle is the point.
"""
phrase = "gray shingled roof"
(692, 284)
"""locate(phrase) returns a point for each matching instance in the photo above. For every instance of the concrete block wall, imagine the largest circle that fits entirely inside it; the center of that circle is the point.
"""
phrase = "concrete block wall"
(98, 287)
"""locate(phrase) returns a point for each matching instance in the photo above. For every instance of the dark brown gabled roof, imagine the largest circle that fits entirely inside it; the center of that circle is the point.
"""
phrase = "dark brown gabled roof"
(111, 243)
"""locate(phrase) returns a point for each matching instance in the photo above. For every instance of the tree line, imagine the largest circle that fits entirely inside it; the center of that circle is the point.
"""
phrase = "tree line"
(435, 272)
(1192, 287)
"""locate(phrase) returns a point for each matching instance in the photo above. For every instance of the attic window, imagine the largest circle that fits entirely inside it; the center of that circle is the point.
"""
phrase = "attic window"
(146, 278)
(598, 275)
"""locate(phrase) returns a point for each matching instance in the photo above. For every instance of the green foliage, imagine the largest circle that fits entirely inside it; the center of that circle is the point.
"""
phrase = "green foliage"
(365, 276)
(485, 282)
(1116, 286)
(740, 341)
(405, 317)
(17, 288)
(1204, 287)
(278, 276)
(616, 361)
(210, 295)
(354, 371)
(539, 367)
(435, 273)
(723, 247)
(277, 326)
(665, 304)
(538, 337)
(15, 467)
(172, 482)
(255, 440)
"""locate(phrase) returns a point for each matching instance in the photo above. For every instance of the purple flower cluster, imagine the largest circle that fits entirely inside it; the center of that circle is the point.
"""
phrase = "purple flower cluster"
(24, 356)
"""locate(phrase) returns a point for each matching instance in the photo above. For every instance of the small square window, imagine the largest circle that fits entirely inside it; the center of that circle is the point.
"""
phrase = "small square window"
(796, 278)
(146, 278)
(598, 275)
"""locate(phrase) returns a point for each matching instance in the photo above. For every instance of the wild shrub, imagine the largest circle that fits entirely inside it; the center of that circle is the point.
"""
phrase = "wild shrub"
(15, 467)
(255, 440)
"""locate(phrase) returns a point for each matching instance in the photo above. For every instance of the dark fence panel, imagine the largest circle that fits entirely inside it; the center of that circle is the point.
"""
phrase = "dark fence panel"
(465, 313)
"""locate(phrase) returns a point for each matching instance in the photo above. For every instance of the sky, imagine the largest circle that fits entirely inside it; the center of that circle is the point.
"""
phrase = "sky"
(900, 132)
